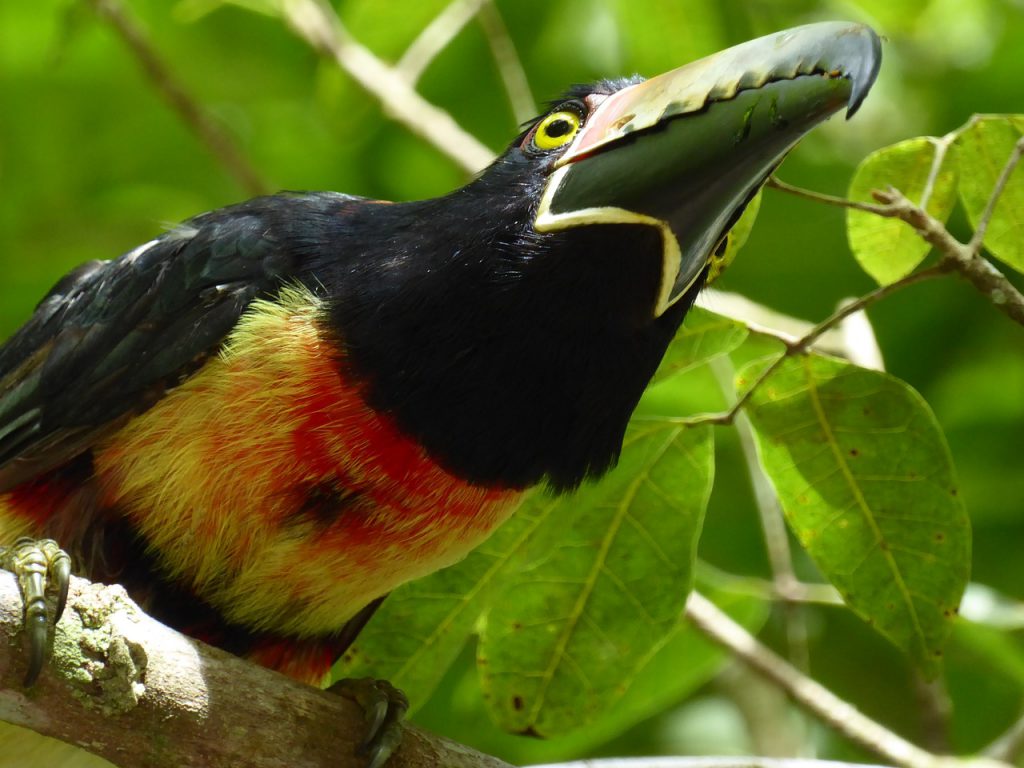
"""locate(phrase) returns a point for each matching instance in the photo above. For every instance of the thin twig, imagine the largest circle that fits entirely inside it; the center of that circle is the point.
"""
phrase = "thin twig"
(510, 67)
(801, 345)
(820, 197)
(217, 141)
(935, 709)
(446, 26)
(806, 692)
(773, 527)
(798, 592)
(997, 192)
(764, 320)
(317, 23)
(435, 37)
(964, 259)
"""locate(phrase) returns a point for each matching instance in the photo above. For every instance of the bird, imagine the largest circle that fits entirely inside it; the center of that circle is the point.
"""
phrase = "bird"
(267, 418)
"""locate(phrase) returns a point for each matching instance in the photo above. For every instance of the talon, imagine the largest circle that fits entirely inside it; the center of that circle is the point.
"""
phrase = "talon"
(385, 707)
(38, 565)
(60, 574)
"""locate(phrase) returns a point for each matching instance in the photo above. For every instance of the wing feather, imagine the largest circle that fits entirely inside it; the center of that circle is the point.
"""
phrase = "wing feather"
(111, 337)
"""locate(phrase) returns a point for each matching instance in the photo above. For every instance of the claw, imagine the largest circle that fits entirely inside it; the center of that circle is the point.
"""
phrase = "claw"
(385, 707)
(60, 571)
(38, 564)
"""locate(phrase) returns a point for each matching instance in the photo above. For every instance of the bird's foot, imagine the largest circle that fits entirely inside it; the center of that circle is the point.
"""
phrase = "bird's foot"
(39, 565)
(385, 707)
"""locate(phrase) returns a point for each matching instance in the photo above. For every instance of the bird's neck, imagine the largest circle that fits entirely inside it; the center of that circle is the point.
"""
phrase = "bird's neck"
(512, 357)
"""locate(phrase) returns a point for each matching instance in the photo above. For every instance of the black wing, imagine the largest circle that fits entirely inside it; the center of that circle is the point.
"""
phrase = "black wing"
(112, 337)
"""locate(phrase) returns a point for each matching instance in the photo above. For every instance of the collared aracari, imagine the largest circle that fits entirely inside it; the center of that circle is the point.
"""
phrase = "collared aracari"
(264, 420)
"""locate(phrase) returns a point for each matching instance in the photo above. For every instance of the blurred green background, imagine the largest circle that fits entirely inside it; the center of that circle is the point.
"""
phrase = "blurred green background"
(93, 162)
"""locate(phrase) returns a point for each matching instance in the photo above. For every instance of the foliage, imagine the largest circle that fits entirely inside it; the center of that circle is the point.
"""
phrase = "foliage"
(571, 615)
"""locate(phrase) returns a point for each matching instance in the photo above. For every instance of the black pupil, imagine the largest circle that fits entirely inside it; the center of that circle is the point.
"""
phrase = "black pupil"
(558, 128)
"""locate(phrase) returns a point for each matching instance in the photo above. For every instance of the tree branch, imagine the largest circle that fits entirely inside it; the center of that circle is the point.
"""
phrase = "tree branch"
(210, 133)
(506, 57)
(773, 526)
(446, 26)
(435, 37)
(964, 259)
(814, 697)
(317, 23)
(123, 686)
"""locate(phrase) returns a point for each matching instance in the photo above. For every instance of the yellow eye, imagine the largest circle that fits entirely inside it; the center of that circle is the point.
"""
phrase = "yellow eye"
(556, 130)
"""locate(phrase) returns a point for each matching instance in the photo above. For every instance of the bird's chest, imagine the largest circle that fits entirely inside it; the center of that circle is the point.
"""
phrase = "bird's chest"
(267, 485)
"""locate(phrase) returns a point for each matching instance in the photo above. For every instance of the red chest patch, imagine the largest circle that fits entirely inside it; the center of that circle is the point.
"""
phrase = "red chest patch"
(268, 484)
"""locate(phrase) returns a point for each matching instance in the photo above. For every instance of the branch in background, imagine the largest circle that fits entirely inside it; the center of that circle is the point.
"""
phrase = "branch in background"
(317, 23)
(517, 86)
(773, 527)
(811, 695)
(964, 259)
(447, 25)
(123, 686)
(1010, 746)
(217, 140)
(435, 37)
(762, 589)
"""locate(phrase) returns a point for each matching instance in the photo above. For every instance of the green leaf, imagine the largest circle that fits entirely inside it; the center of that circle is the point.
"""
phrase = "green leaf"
(703, 335)
(569, 634)
(680, 667)
(984, 149)
(867, 484)
(685, 661)
(889, 249)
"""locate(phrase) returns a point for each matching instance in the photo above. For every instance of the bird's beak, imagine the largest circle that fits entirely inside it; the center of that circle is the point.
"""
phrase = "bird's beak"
(686, 150)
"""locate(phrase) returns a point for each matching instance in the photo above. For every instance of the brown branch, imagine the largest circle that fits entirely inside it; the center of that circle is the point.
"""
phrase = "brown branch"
(124, 687)
(820, 197)
(217, 141)
(317, 23)
(964, 259)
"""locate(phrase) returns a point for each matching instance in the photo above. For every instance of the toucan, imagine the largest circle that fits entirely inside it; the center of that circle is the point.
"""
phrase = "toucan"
(264, 420)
